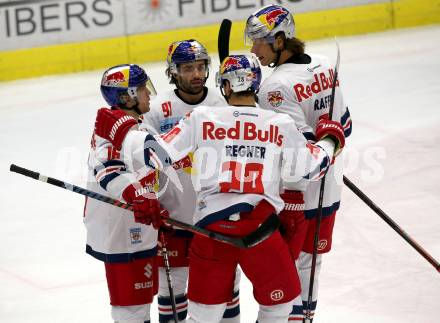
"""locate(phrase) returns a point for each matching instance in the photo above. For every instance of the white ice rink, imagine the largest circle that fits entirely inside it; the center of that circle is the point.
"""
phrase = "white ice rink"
(391, 81)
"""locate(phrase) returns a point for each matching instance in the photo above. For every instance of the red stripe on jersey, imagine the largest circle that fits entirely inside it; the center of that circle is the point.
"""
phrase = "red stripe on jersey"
(348, 125)
(107, 171)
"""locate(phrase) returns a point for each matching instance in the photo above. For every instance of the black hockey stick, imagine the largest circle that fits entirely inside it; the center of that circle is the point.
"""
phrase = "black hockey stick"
(223, 39)
(254, 238)
(308, 315)
(168, 274)
(392, 224)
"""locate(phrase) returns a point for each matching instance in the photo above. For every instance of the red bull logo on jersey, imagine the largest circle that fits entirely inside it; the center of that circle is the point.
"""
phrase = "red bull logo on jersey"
(243, 131)
(273, 17)
(275, 98)
(322, 82)
(118, 78)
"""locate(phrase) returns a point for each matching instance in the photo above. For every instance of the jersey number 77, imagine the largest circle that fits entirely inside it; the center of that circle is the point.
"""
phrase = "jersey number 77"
(247, 180)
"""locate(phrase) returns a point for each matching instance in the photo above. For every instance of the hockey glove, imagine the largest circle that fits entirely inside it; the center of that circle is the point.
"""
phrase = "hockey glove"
(293, 224)
(113, 125)
(166, 228)
(332, 130)
(146, 207)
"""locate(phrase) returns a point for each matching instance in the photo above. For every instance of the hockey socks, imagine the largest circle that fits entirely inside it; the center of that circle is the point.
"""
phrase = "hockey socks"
(232, 312)
(166, 311)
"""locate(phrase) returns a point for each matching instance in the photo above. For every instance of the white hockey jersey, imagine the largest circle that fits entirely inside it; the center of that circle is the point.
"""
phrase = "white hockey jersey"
(112, 233)
(176, 192)
(240, 154)
(303, 91)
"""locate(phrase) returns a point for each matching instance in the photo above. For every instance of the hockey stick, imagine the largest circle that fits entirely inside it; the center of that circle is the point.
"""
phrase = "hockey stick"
(254, 238)
(308, 315)
(168, 274)
(392, 224)
(223, 39)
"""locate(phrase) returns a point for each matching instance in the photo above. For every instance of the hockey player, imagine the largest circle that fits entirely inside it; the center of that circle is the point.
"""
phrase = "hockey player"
(300, 86)
(125, 243)
(188, 66)
(241, 152)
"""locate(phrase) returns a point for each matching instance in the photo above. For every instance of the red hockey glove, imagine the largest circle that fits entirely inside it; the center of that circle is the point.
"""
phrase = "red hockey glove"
(332, 130)
(293, 225)
(166, 228)
(113, 125)
(146, 207)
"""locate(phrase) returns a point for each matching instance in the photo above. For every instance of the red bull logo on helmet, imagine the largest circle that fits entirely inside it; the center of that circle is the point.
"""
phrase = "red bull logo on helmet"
(117, 78)
(171, 50)
(231, 64)
(272, 16)
(183, 51)
(193, 49)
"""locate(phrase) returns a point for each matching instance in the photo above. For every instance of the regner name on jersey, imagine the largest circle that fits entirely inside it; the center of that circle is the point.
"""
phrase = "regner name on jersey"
(240, 155)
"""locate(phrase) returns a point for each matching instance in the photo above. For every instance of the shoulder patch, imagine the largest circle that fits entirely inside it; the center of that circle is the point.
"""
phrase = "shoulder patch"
(274, 98)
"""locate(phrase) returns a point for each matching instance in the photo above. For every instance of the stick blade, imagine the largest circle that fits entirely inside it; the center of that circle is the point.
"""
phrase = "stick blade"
(338, 56)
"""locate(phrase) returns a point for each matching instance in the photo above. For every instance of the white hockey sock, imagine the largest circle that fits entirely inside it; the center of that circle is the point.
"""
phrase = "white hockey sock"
(232, 312)
(202, 313)
(179, 277)
(275, 313)
(166, 309)
(296, 315)
(304, 264)
(131, 314)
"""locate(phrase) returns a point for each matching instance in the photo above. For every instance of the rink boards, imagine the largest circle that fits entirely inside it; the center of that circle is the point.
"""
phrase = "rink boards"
(61, 37)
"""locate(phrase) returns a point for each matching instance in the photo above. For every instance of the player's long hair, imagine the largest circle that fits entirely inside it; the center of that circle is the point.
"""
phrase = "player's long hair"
(294, 45)
(170, 76)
